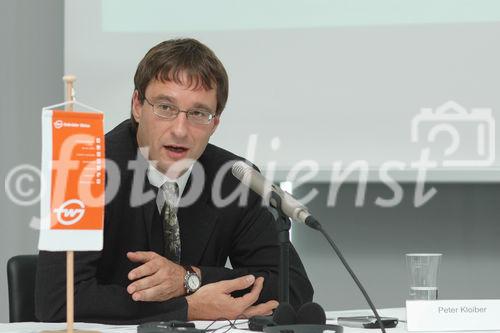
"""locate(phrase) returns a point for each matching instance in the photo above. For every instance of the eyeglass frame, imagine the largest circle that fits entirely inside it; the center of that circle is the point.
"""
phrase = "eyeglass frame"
(179, 110)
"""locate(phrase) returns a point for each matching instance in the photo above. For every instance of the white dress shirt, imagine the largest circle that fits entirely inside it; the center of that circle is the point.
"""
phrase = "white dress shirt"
(157, 178)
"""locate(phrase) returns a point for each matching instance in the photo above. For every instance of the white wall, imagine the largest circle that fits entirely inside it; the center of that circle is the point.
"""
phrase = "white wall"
(31, 35)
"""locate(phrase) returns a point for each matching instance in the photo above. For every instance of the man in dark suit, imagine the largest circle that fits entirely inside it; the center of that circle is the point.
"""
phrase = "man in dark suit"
(177, 215)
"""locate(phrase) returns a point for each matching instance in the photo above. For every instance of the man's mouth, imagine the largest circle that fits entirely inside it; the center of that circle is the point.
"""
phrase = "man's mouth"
(175, 148)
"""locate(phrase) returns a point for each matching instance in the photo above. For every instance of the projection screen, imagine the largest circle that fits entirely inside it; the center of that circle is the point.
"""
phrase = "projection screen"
(319, 86)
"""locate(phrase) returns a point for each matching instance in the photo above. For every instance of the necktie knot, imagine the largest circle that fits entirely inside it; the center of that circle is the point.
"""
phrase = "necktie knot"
(170, 193)
(170, 187)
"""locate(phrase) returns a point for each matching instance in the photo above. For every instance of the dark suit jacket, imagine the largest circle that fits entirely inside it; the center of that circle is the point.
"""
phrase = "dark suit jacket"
(209, 235)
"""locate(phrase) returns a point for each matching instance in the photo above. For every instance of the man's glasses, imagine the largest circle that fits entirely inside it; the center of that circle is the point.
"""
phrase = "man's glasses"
(170, 111)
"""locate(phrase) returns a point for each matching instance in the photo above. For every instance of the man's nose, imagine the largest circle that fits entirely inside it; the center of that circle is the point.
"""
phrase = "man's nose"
(180, 125)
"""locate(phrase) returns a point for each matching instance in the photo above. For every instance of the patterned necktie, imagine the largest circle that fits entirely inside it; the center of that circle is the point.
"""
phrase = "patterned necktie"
(171, 236)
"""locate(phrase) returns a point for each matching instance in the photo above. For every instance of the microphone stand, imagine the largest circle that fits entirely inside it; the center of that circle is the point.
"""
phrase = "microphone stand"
(283, 225)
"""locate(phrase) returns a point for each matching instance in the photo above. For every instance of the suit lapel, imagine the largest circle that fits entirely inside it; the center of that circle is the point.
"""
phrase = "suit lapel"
(148, 210)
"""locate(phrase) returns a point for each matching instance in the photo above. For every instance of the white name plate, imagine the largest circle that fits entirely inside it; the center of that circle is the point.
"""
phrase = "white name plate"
(453, 315)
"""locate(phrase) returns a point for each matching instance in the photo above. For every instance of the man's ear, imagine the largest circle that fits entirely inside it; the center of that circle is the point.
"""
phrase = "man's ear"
(215, 123)
(136, 106)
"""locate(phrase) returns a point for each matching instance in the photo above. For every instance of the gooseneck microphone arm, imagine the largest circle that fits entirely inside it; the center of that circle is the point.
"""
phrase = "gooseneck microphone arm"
(290, 207)
(313, 223)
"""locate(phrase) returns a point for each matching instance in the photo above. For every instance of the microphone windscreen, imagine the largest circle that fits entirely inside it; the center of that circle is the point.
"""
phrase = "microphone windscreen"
(311, 313)
(284, 314)
(239, 169)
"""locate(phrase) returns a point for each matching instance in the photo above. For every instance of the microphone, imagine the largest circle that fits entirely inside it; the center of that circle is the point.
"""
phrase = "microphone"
(263, 187)
(312, 314)
(299, 213)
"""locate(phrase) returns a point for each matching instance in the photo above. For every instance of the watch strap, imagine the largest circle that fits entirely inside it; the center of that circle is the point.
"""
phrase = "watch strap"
(189, 269)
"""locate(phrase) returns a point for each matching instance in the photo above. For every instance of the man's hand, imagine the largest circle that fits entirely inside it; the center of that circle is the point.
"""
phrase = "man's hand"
(214, 301)
(157, 279)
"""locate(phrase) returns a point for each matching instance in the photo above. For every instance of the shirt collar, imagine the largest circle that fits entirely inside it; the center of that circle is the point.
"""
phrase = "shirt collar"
(157, 178)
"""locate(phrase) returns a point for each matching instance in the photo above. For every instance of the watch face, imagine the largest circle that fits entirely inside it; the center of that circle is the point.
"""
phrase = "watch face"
(193, 282)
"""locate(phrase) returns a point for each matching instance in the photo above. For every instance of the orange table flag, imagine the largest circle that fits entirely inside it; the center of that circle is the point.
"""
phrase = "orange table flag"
(73, 170)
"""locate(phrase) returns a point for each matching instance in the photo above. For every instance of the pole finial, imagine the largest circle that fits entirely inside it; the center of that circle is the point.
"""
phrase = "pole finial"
(70, 91)
(69, 78)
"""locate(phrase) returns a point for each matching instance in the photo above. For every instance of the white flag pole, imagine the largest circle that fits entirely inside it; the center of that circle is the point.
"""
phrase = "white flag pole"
(70, 257)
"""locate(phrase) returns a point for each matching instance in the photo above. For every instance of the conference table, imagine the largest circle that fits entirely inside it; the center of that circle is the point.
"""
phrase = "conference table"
(241, 325)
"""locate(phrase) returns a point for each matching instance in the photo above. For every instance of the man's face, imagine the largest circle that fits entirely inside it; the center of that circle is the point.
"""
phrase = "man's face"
(172, 141)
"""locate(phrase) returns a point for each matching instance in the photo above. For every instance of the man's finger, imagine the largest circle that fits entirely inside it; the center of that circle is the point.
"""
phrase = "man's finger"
(141, 256)
(144, 283)
(253, 295)
(264, 309)
(149, 295)
(228, 286)
(245, 301)
(146, 269)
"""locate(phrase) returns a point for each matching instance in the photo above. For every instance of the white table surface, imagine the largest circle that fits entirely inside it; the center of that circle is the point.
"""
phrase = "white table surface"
(399, 313)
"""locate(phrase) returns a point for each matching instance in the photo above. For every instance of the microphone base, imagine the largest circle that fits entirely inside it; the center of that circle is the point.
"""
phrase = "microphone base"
(257, 323)
(303, 329)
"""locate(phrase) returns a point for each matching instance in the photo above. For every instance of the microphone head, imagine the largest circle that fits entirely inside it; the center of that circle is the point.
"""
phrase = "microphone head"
(311, 313)
(284, 314)
(239, 169)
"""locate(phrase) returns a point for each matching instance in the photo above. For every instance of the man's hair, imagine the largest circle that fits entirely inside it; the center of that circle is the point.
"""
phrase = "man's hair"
(172, 59)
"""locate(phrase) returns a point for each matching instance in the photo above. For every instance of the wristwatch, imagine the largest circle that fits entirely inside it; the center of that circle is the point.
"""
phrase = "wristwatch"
(192, 281)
